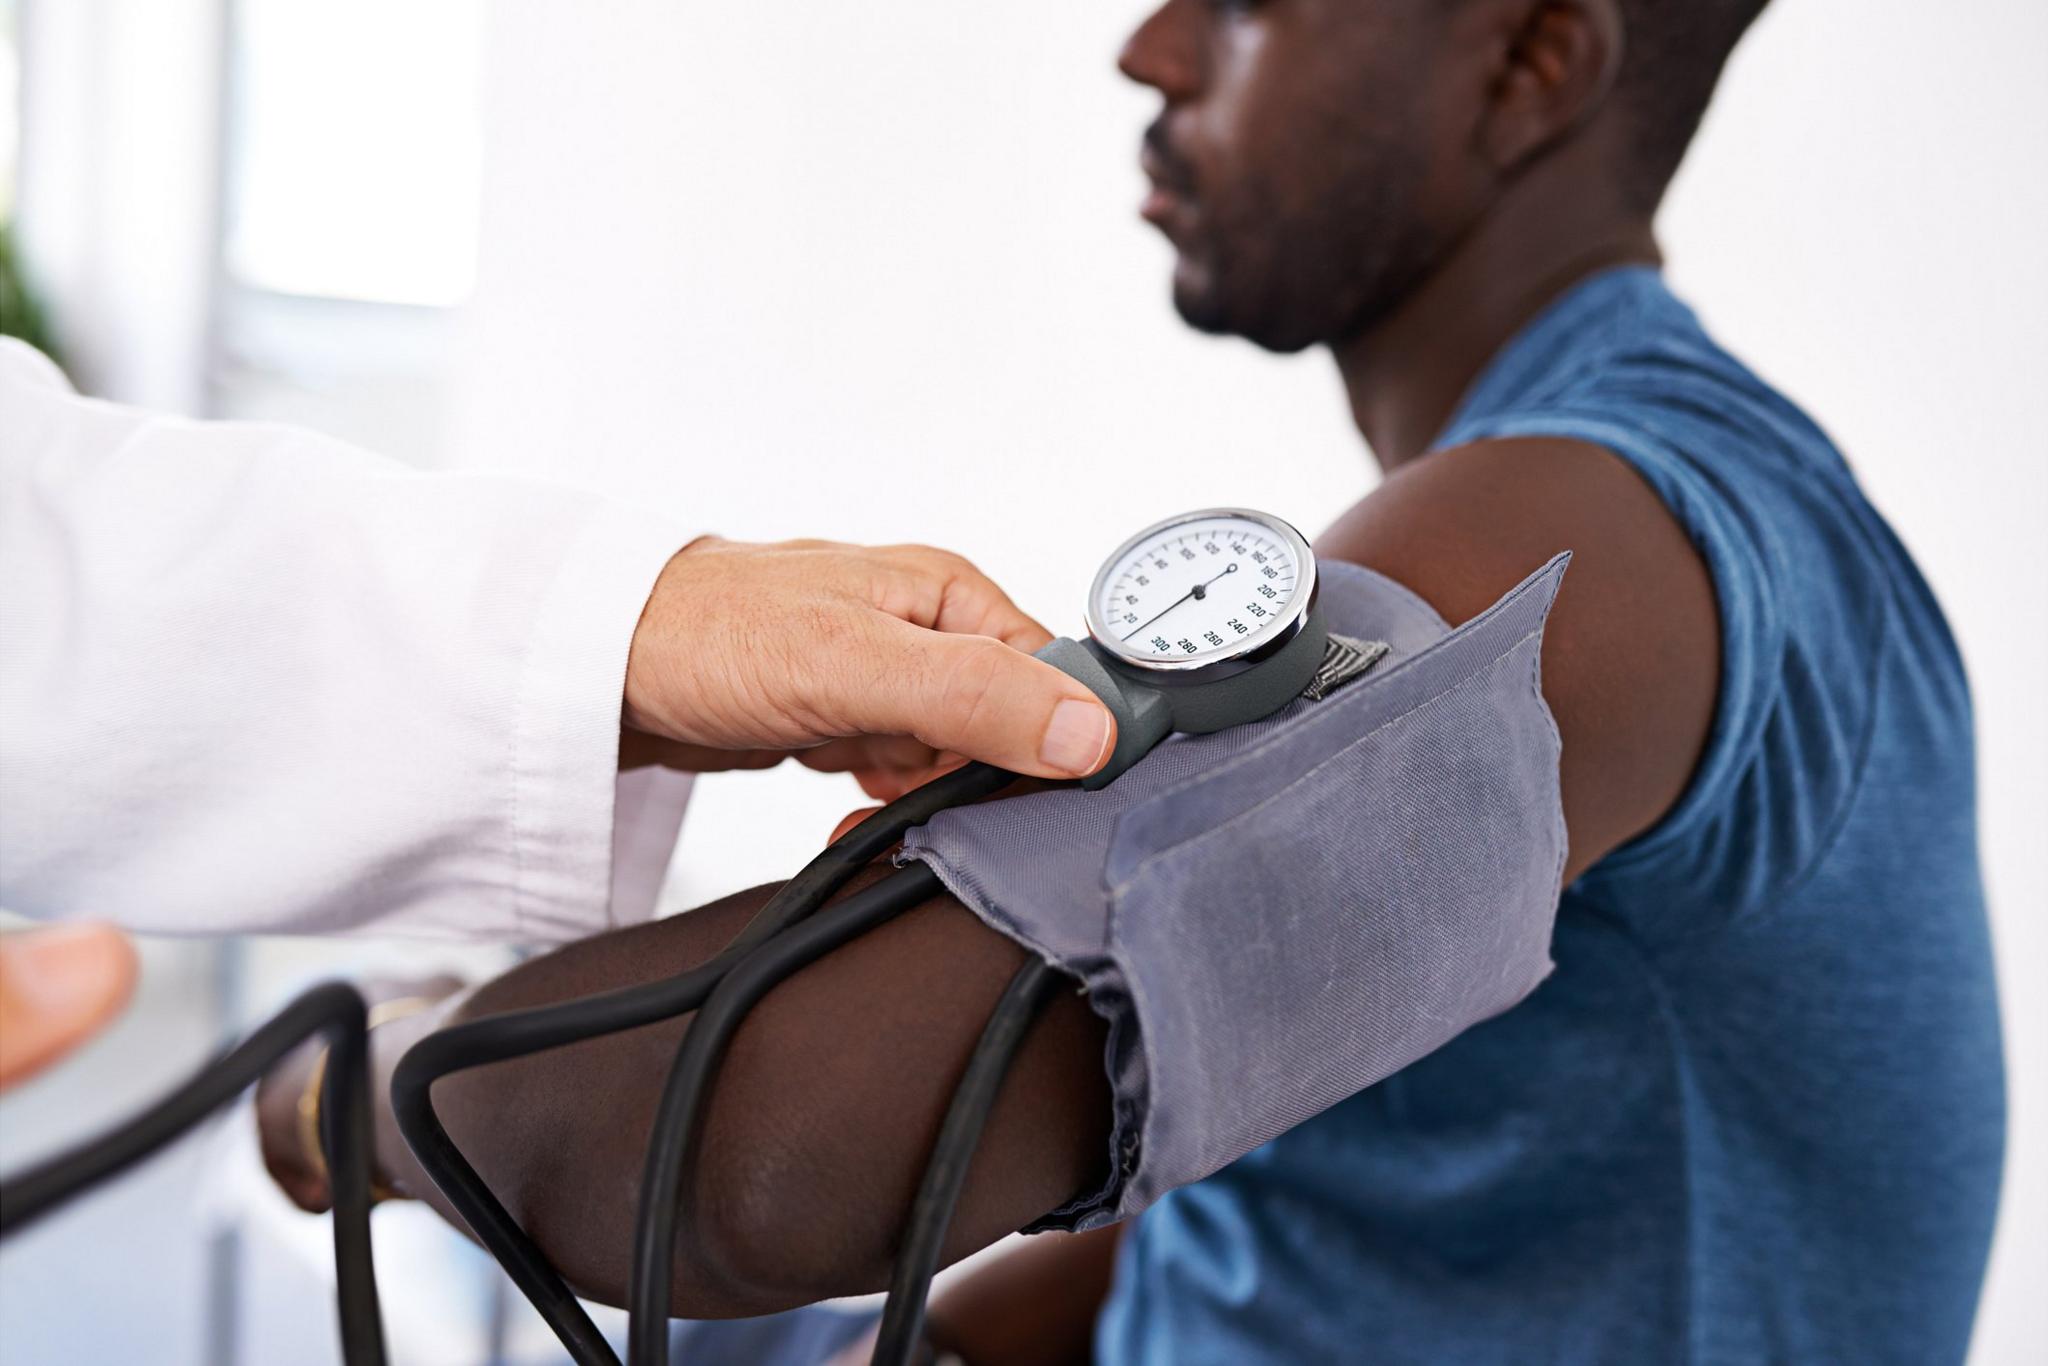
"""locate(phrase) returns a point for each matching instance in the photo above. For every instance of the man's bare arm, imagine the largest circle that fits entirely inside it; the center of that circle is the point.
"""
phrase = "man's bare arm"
(829, 1101)
(816, 1133)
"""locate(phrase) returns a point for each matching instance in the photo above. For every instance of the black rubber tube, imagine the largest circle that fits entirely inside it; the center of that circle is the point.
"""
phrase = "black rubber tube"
(331, 1008)
(519, 1033)
(931, 1213)
(672, 1141)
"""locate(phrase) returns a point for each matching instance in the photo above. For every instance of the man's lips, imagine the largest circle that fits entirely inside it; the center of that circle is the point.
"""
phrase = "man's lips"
(1168, 197)
(1159, 206)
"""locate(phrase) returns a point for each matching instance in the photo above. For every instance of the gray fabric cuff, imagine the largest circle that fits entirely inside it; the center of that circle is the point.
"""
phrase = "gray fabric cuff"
(1275, 917)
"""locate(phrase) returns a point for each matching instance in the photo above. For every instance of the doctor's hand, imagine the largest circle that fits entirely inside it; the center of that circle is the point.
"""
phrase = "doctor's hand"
(878, 661)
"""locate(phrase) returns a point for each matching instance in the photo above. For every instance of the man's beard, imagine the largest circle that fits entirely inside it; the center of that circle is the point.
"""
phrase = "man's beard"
(1320, 273)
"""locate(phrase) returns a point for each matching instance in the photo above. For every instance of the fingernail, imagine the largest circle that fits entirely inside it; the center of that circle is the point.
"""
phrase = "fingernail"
(1077, 741)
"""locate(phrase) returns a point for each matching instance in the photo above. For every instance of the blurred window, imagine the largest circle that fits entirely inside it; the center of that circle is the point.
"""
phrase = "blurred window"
(352, 156)
(353, 148)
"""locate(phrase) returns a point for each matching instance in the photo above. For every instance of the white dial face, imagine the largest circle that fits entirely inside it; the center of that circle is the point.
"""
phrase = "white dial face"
(1201, 589)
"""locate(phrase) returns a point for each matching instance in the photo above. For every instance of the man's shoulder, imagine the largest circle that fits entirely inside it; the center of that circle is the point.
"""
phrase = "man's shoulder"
(1456, 524)
(1631, 656)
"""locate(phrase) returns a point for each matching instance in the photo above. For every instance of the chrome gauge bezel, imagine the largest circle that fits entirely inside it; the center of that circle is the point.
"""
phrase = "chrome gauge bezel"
(1269, 641)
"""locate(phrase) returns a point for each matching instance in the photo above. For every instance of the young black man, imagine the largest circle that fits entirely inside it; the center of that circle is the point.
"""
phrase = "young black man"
(1756, 1111)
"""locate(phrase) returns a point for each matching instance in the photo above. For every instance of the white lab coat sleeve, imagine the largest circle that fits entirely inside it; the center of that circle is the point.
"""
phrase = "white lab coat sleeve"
(256, 680)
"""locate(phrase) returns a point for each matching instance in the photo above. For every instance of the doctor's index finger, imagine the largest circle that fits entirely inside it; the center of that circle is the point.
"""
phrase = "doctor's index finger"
(979, 697)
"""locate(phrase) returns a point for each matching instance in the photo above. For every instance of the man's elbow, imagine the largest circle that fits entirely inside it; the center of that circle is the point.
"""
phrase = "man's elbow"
(756, 1230)
(791, 1204)
(815, 1133)
(813, 1151)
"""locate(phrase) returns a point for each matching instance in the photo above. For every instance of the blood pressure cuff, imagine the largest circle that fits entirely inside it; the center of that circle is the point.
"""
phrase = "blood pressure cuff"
(1275, 917)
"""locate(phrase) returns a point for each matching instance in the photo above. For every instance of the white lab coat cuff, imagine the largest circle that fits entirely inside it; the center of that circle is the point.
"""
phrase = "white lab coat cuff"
(647, 817)
(589, 845)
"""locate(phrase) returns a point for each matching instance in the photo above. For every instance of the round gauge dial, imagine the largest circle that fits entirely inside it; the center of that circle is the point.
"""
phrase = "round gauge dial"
(1203, 589)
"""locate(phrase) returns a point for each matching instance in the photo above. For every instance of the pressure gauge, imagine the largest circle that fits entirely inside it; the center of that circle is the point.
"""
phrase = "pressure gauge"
(1204, 595)
(1198, 623)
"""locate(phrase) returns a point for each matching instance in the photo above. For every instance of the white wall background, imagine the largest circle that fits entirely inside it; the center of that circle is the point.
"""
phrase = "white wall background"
(874, 271)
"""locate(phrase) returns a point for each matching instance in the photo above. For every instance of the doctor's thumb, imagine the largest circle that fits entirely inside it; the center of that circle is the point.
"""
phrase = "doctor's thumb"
(976, 696)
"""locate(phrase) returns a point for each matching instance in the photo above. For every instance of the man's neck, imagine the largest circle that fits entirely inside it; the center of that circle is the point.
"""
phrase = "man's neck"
(1406, 374)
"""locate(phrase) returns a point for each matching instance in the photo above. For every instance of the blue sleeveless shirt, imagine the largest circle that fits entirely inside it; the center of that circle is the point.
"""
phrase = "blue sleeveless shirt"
(1757, 1112)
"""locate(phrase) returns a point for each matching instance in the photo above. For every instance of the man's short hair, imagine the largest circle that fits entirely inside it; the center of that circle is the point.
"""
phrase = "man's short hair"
(1674, 55)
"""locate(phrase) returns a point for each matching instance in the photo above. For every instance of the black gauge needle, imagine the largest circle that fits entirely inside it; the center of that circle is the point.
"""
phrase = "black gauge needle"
(1198, 592)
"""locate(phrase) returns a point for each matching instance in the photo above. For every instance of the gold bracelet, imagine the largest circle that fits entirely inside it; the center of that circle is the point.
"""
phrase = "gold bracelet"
(311, 1151)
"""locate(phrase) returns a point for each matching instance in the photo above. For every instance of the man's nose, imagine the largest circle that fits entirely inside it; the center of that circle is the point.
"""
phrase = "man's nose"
(1164, 52)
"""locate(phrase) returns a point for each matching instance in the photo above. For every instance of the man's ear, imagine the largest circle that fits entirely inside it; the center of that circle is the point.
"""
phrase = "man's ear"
(1557, 62)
